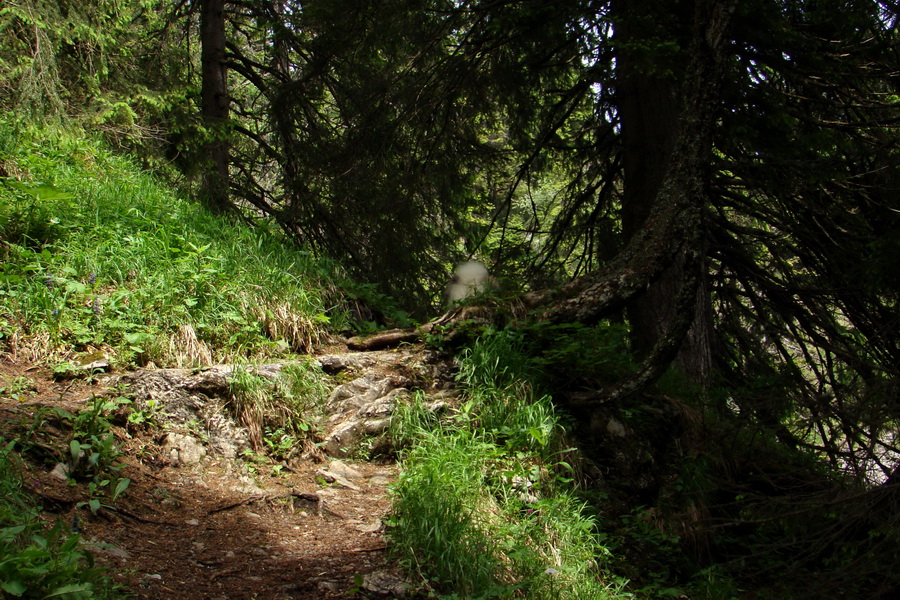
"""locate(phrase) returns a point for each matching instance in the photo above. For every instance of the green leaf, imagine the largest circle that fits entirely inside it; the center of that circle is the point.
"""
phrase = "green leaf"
(12, 531)
(74, 449)
(40, 191)
(121, 486)
(72, 588)
(76, 287)
(14, 587)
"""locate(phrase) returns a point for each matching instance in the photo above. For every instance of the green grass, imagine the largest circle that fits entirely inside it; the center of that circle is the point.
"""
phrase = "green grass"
(277, 412)
(98, 255)
(484, 506)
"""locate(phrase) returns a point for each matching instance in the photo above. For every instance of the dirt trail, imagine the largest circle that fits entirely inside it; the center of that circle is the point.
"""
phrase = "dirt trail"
(223, 528)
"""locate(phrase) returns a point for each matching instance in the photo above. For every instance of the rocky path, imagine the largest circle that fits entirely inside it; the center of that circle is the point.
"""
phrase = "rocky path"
(200, 520)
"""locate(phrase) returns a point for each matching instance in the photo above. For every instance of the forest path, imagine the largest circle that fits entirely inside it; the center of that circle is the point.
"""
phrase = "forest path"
(198, 524)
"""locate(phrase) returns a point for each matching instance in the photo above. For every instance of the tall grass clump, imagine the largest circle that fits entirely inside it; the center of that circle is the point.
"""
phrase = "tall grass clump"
(277, 407)
(484, 506)
(97, 255)
(38, 560)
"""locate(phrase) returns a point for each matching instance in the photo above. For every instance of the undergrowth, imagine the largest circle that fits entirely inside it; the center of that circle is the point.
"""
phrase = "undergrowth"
(484, 506)
(278, 412)
(97, 255)
(38, 560)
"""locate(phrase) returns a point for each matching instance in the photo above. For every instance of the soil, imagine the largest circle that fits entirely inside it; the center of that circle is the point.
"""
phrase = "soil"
(223, 529)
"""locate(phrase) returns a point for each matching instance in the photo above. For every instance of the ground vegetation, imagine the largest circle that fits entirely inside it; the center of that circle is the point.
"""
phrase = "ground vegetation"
(690, 208)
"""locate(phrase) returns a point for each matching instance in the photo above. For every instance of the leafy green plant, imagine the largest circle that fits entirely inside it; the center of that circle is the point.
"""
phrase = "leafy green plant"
(148, 415)
(435, 526)
(30, 222)
(280, 443)
(37, 560)
(99, 490)
(253, 460)
(284, 406)
(93, 449)
(498, 358)
(18, 388)
(712, 583)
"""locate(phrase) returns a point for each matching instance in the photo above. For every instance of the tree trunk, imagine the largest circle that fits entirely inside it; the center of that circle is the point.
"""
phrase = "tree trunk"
(647, 94)
(214, 102)
(668, 249)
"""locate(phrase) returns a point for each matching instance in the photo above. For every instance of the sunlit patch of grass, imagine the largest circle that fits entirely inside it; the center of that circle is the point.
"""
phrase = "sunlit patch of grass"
(96, 253)
(187, 350)
(483, 506)
(287, 403)
(284, 324)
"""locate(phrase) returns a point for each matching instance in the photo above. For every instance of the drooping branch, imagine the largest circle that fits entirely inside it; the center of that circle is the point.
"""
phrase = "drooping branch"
(674, 221)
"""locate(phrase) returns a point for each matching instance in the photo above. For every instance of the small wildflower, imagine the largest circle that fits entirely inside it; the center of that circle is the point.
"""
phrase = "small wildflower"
(55, 312)
(49, 281)
(96, 306)
(551, 572)
(92, 279)
(132, 274)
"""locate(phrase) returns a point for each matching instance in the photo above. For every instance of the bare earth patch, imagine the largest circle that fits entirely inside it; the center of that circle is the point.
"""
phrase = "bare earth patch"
(223, 528)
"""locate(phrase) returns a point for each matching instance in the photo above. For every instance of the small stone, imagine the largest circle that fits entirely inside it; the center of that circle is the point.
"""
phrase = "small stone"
(371, 527)
(339, 467)
(382, 582)
(182, 450)
(60, 471)
(380, 480)
(108, 549)
(615, 428)
(193, 522)
(336, 479)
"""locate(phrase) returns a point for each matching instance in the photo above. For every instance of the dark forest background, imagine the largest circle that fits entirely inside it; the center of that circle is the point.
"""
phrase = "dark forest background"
(715, 184)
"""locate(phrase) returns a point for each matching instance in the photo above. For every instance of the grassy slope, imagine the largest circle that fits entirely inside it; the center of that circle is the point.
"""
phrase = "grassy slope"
(485, 505)
(100, 258)
(98, 255)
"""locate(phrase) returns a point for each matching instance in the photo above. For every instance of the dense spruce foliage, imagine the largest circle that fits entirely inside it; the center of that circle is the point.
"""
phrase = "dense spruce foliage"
(696, 202)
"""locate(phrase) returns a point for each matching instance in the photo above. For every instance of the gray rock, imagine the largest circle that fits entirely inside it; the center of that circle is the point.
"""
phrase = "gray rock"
(332, 477)
(339, 467)
(60, 471)
(362, 407)
(182, 450)
(385, 584)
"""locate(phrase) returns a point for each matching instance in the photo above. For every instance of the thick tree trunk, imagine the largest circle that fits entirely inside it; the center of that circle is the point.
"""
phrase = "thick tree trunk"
(214, 102)
(666, 251)
(647, 94)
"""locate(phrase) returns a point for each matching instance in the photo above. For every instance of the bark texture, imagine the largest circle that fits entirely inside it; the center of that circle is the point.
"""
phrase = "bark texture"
(214, 102)
(659, 272)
